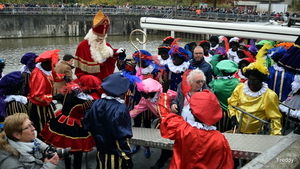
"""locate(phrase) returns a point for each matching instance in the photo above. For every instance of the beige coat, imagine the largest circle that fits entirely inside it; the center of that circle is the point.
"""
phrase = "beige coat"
(64, 68)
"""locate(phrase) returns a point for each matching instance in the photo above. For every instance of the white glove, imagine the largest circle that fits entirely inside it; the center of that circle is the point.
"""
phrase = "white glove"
(120, 50)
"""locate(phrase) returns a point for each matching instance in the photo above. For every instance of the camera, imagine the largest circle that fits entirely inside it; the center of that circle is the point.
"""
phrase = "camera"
(62, 153)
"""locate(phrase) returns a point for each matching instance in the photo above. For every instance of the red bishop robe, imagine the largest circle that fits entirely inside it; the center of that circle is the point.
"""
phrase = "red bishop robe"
(41, 86)
(85, 64)
(193, 148)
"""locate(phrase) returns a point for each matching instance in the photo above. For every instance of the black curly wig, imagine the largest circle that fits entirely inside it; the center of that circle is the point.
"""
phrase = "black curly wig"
(246, 62)
(256, 73)
(2, 65)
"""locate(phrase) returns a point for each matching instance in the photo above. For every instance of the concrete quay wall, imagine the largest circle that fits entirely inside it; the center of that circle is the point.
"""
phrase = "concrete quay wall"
(31, 25)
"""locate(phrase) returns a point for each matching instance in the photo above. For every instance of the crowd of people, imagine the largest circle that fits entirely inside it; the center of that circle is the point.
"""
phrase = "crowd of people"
(148, 8)
(192, 90)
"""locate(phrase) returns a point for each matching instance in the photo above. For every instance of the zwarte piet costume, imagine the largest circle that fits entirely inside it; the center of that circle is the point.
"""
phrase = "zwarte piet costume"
(40, 106)
(109, 122)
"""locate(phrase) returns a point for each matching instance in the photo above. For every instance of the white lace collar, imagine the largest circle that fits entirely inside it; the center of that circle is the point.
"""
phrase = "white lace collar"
(25, 69)
(112, 98)
(163, 62)
(225, 77)
(248, 92)
(214, 48)
(178, 69)
(241, 75)
(278, 68)
(155, 98)
(17, 98)
(236, 59)
(39, 66)
(201, 125)
(146, 70)
(231, 54)
(84, 96)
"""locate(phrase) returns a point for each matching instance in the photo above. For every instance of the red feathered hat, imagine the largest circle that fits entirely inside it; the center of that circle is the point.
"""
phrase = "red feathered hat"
(89, 82)
(204, 42)
(50, 55)
(206, 107)
(168, 40)
(101, 24)
(85, 83)
(250, 58)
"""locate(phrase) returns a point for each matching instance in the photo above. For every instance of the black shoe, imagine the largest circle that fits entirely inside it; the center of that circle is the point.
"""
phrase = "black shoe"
(158, 165)
(297, 130)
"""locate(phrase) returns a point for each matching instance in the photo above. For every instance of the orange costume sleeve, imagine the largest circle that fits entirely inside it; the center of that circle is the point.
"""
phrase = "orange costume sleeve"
(57, 77)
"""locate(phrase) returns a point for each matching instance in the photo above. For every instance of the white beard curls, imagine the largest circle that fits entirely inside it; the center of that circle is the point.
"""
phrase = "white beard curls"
(99, 52)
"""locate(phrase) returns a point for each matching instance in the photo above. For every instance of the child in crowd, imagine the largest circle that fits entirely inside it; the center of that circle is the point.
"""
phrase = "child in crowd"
(109, 122)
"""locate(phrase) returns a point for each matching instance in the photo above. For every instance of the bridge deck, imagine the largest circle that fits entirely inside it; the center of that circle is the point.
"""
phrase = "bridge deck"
(243, 146)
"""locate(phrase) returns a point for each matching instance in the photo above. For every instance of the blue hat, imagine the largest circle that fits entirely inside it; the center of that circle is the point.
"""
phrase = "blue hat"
(179, 51)
(143, 55)
(147, 57)
(5, 82)
(28, 58)
(11, 78)
(115, 84)
(277, 53)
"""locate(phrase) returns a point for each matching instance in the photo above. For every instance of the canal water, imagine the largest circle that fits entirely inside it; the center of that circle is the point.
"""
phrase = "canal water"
(11, 50)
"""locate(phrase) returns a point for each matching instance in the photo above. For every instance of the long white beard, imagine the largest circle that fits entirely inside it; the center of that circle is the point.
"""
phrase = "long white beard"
(99, 52)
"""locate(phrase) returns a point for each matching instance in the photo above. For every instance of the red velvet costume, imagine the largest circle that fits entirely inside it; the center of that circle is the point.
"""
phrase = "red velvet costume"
(193, 148)
(41, 91)
(85, 65)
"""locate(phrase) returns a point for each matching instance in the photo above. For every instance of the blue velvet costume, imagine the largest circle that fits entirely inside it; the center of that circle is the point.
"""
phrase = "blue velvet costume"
(280, 82)
(110, 124)
(176, 77)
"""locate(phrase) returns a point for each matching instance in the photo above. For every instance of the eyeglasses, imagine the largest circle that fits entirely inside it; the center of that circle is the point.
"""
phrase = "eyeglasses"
(29, 126)
(198, 53)
(200, 81)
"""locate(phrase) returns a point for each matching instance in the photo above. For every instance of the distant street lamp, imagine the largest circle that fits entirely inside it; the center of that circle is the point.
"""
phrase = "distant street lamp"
(176, 8)
(269, 10)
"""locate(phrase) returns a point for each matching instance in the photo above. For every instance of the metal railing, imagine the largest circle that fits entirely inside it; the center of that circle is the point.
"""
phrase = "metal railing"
(168, 15)
(158, 12)
(263, 124)
(79, 10)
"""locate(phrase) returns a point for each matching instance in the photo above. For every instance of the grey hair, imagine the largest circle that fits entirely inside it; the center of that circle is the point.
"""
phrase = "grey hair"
(192, 73)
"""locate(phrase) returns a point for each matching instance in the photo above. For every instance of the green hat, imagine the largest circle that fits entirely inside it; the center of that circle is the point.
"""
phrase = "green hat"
(227, 66)
(262, 42)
